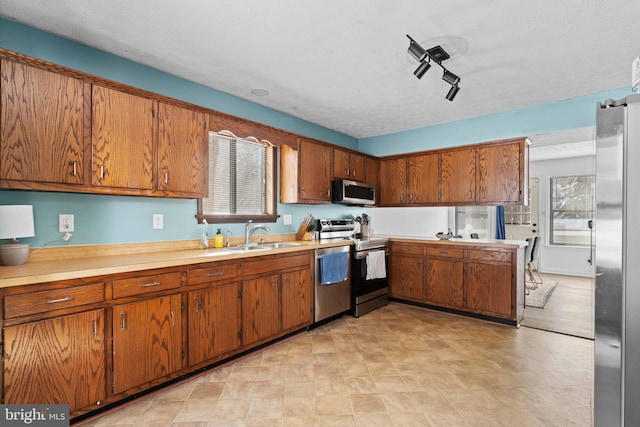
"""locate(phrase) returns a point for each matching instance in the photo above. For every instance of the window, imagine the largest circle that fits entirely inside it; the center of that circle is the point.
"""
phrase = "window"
(241, 181)
(474, 219)
(572, 201)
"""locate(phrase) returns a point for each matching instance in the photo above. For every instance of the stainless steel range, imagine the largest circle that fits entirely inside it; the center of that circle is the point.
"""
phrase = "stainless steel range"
(369, 265)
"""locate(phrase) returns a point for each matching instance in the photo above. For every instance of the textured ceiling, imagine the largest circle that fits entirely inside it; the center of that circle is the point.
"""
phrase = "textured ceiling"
(344, 64)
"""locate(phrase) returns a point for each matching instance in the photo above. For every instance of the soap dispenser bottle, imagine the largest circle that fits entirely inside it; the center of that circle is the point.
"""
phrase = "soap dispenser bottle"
(218, 241)
(204, 238)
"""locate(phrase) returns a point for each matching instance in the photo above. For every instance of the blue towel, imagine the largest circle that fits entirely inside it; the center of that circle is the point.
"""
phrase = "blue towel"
(334, 268)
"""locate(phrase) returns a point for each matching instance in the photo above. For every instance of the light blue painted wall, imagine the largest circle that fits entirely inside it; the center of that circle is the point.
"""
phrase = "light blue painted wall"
(567, 114)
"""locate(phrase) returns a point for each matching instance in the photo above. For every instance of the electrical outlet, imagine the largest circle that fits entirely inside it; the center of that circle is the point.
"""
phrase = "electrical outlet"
(158, 221)
(65, 223)
(286, 219)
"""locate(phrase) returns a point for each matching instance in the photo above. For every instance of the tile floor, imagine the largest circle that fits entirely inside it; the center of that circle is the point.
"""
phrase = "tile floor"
(397, 366)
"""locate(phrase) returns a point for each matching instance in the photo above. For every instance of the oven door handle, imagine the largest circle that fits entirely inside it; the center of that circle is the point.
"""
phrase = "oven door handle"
(363, 254)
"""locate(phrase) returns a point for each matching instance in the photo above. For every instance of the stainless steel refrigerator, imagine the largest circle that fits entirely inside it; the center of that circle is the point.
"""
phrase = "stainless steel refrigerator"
(617, 258)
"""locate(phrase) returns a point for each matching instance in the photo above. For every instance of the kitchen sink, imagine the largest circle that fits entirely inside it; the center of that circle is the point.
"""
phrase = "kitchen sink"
(278, 245)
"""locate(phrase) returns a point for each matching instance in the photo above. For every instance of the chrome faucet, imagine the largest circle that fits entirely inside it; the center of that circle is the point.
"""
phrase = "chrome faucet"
(249, 230)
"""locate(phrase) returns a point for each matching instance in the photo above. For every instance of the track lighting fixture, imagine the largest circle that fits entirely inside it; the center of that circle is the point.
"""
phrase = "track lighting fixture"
(422, 69)
(437, 54)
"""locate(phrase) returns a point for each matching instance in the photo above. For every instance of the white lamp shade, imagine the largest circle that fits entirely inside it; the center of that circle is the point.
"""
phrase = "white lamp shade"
(16, 221)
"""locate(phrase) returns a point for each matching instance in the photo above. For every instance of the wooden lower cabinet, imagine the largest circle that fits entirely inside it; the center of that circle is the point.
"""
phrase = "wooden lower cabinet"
(444, 282)
(147, 341)
(214, 322)
(296, 299)
(82, 343)
(407, 277)
(466, 277)
(488, 288)
(260, 308)
(56, 361)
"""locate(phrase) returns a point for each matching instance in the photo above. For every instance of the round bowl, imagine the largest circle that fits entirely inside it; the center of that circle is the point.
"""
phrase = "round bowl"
(443, 236)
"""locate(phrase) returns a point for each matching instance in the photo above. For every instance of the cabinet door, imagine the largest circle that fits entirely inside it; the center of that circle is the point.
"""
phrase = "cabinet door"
(458, 176)
(341, 164)
(407, 277)
(260, 308)
(358, 167)
(488, 288)
(41, 125)
(147, 341)
(183, 147)
(122, 139)
(444, 283)
(296, 299)
(499, 173)
(314, 172)
(393, 181)
(214, 322)
(56, 361)
(423, 178)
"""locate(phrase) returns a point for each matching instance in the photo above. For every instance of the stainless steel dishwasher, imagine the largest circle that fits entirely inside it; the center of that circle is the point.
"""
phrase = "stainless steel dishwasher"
(333, 298)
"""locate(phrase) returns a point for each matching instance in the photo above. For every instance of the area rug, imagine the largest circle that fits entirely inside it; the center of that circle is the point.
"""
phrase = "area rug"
(539, 297)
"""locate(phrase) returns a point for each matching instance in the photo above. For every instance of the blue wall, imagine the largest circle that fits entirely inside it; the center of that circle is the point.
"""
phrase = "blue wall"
(101, 219)
(567, 114)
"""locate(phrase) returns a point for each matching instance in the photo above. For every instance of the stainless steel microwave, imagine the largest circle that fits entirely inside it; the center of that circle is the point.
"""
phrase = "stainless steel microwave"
(352, 192)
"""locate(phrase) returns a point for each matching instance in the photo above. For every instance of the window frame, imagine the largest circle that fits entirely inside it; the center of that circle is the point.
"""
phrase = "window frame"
(552, 211)
(271, 190)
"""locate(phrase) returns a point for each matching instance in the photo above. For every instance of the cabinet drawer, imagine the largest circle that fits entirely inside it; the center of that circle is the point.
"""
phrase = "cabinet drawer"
(445, 251)
(55, 299)
(145, 284)
(489, 255)
(276, 264)
(214, 273)
(401, 248)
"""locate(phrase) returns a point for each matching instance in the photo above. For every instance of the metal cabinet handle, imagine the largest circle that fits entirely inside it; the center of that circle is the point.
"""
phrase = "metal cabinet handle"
(101, 171)
(166, 177)
(146, 285)
(75, 168)
(53, 301)
(219, 273)
(195, 309)
(95, 327)
(173, 320)
(123, 318)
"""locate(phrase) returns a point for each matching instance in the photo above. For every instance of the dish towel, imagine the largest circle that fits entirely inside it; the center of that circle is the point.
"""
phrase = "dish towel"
(376, 268)
(334, 268)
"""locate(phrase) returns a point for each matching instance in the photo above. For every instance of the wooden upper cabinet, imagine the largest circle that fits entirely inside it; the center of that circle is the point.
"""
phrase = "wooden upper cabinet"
(393, 181)
(458, 176)
(422, 179)
(347, 165)
(183, 147)
(500, 173)
(122, 136)
(41, 125)
(305, 173)
(314, 169)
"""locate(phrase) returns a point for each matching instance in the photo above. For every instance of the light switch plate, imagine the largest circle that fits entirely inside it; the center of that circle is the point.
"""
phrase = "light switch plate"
(158, 221)
(65, 223)
(286, 219)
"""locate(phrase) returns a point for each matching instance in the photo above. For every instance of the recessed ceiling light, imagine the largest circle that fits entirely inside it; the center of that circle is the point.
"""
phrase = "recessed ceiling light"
(260, 92)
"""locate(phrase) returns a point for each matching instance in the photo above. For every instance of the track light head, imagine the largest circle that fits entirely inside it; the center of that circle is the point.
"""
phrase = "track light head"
(450, 78)
(416, 50)
(422, 69)
(453, 92)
